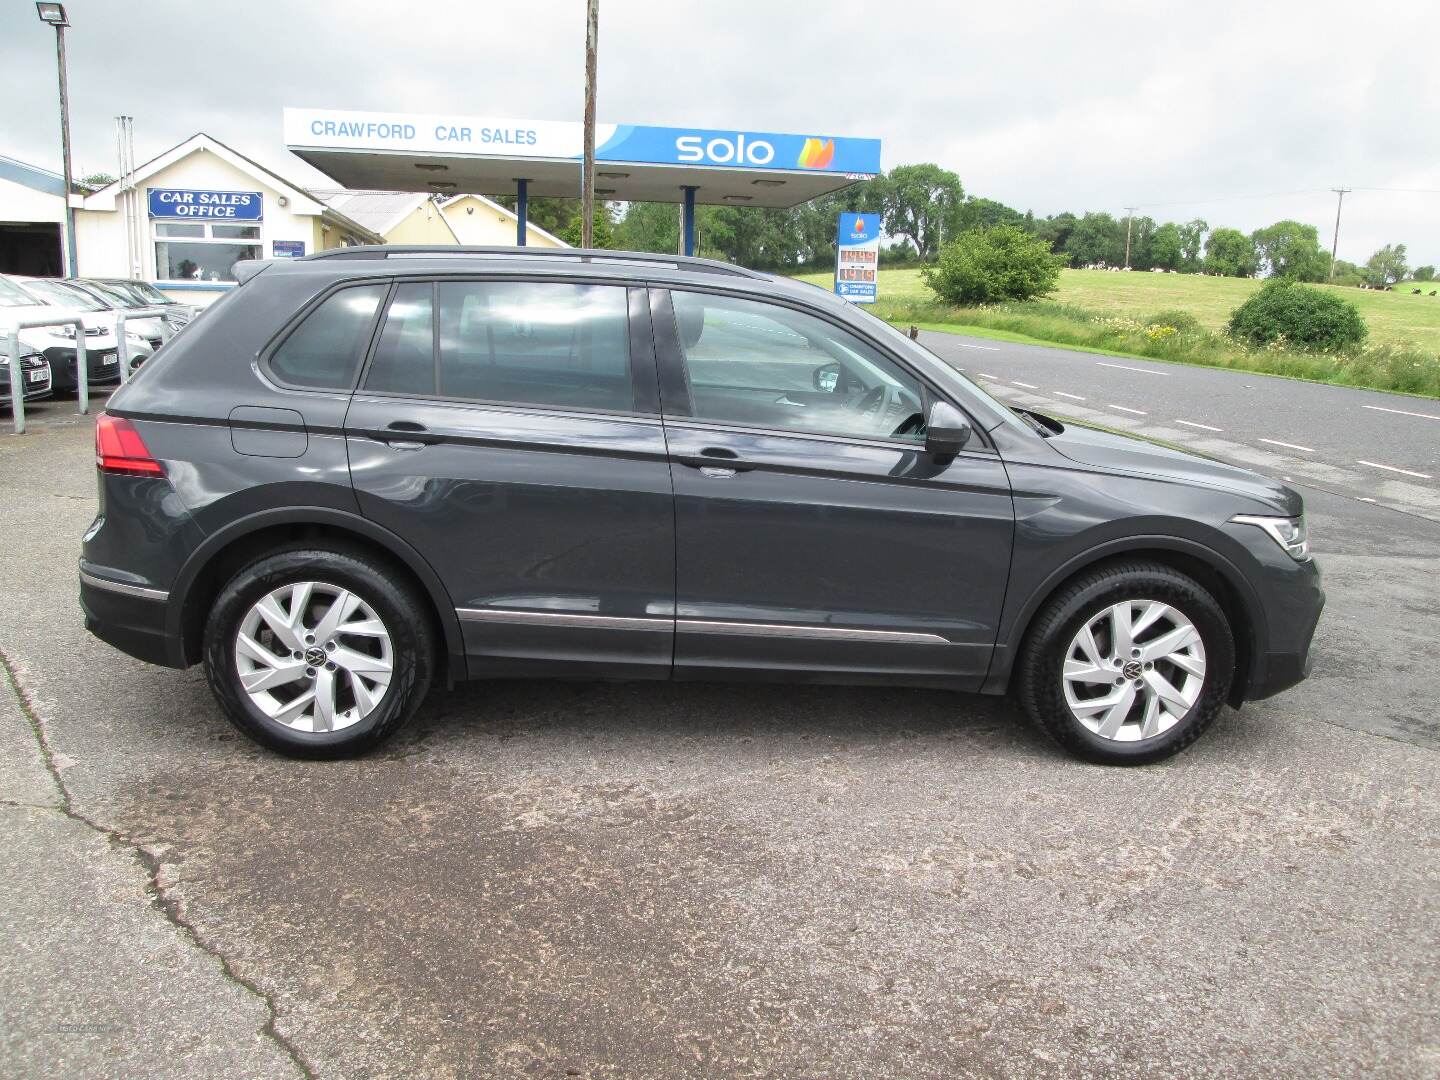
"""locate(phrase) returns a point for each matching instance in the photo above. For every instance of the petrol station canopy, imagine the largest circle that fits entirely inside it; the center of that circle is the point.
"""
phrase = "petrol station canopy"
(446, 153)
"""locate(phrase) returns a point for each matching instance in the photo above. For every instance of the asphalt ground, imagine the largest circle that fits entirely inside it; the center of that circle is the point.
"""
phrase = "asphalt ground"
(652, 880)
(1361, 443)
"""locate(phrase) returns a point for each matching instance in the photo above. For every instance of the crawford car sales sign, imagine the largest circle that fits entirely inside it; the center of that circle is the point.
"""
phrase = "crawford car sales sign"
(221, 205)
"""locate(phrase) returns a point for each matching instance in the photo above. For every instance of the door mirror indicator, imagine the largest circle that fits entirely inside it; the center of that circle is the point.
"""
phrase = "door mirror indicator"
(947, 431)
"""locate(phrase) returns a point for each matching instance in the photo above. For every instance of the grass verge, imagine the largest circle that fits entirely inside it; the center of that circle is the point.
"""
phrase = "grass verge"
(1176, 337)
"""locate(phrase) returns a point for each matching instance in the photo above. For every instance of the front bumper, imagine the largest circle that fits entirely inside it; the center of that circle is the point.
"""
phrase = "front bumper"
(1293, 606)
(102, 367)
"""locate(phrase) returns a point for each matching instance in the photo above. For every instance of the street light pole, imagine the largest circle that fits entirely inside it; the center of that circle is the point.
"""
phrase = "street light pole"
(54, 14)
(587, 168)
(1129, 221)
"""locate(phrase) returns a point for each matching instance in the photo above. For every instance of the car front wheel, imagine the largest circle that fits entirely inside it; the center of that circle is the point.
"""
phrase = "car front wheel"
(1128, 664)
(318, 653)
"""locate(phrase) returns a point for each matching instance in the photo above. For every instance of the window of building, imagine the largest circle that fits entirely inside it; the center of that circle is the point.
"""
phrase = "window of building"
(203, 251)
(763, 365)
(325, 350)
(528, 343)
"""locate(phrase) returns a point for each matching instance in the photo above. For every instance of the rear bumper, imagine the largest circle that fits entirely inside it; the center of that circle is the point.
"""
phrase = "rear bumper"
(130, 617)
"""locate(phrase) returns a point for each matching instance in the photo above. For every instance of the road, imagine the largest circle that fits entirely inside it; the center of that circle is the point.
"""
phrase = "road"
(1359, 443)
(603, 881)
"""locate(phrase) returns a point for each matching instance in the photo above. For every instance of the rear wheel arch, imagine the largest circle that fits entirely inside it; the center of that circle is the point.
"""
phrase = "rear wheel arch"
(1212, 571)
(224, 553)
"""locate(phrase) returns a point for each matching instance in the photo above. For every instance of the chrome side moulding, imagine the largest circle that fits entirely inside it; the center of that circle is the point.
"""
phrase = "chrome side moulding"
(564, 618)
(122, 588)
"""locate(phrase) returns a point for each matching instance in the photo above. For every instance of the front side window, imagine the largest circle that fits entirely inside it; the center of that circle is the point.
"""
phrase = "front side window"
(325, 350)
(762, 365)
(527, 343)
(203, 251)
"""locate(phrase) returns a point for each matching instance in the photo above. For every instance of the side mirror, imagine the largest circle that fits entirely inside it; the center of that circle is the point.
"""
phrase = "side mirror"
(827, 378)
(946, 431)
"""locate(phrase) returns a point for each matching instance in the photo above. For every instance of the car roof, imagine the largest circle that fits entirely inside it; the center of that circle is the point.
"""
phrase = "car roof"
(617, 266)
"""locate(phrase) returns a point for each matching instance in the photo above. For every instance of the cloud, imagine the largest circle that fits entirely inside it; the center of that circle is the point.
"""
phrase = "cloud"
(1182, 108)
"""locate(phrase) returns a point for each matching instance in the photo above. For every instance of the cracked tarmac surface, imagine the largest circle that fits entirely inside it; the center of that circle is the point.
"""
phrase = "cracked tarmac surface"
(551, 879)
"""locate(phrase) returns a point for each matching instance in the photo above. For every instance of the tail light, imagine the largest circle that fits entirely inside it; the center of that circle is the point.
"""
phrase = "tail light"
(119, 448)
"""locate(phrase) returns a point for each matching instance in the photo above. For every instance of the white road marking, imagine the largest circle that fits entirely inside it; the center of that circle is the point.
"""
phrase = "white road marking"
(1122, 408)
(1026, 385)
(1141, 370)
(1289, 445)
(1202, 427)
(986, 375)
(1392, 468)
(982, 348)
(1402, 412)
(1072, 397)
(1362, 497)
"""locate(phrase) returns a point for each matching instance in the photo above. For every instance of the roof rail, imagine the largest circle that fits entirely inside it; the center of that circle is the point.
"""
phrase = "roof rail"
(447, 251)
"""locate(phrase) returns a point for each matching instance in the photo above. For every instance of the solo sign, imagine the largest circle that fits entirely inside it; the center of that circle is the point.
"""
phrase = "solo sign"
(857, 256)
(207, 205)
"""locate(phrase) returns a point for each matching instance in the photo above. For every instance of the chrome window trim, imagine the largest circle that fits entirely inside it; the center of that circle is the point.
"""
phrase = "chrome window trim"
(122, 588)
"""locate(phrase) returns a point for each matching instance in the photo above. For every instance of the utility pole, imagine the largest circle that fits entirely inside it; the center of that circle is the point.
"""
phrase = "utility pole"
(1129, 221)
(587, 168)
(1335, 243)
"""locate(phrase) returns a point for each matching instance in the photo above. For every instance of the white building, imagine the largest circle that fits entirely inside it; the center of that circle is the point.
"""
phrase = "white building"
(184, 218)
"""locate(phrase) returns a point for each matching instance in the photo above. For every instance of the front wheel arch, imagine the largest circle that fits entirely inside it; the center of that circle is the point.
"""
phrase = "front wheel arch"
(1211, 570)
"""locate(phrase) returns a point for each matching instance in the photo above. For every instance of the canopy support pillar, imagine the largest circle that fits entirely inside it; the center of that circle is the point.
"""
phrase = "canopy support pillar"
(687, 222)
(521, 210)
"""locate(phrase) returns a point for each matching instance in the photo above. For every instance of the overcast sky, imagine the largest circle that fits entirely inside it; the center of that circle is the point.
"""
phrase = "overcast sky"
(1238, 112)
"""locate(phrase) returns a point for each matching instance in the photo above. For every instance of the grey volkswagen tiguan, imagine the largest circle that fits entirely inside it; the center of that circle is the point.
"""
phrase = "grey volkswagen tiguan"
(373, 469)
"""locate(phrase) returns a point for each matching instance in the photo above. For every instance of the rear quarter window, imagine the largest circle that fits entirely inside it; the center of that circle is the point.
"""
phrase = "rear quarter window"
(324, 352)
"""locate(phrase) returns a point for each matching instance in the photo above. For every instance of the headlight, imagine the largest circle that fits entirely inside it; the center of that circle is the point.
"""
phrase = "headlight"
(1289, 533)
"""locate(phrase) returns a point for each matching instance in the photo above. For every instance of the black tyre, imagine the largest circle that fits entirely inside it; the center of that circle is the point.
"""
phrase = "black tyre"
(319, 653)
(1127, 664)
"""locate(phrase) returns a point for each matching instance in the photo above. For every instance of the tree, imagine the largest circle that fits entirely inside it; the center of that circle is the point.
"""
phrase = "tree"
(921, 202)
(1348, 274)
(983, 213)
(1141, 231)
(1231, 253)
(1298, 316)
(1096, 238)
(649, 226)
(1167, 247)
(94, 181)
(1387, 265)
(602, 236)
(985, 266)
(1291, 249)
(1192, 243)
(1056, 229)
(1424, 273)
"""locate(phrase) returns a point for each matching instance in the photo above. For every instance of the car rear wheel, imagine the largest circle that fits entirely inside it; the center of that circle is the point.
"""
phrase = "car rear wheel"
(318, 653)
(1128, 664)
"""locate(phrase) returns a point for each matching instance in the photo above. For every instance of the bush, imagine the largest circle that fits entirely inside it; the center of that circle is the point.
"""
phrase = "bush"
(986, 266)
(1285, 314)
(1181, 321)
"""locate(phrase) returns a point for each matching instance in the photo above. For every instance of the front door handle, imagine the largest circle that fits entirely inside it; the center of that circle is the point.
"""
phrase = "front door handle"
(717, 461)
(405, 435)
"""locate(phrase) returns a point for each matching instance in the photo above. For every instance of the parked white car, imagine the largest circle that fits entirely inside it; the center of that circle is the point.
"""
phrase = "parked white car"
(57, 343)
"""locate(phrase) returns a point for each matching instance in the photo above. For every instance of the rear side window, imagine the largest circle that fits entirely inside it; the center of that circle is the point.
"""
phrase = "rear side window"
(527, 343)
(325, 350)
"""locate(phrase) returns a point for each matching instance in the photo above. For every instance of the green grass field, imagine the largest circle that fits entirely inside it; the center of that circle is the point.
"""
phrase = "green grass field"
(1396, 317)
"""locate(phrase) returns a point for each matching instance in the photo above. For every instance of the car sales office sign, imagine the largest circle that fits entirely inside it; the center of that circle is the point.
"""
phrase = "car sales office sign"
(857, 256)
(190, 205)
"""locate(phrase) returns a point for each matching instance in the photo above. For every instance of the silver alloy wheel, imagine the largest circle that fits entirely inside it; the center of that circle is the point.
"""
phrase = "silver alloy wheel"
(314, 657)
(1134, 670)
